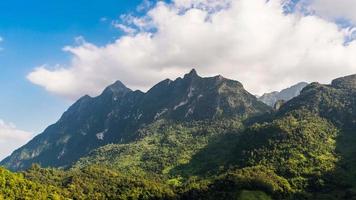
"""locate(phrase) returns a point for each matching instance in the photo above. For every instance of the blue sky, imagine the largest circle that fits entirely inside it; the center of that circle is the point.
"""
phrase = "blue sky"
(34, 32)
(263, 44)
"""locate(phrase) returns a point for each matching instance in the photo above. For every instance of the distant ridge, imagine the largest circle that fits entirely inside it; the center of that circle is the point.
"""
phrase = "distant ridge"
(284, 95)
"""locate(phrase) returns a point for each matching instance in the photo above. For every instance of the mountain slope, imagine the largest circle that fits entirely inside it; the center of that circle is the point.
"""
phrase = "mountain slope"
(164, 147)
(284, 95)
(117, 114)
(79, 130)
(308, 146)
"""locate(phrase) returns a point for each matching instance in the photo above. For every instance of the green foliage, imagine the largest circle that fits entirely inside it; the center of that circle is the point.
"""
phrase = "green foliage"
(95, 182)
(247, 183)
(299, 146)
(15, 186)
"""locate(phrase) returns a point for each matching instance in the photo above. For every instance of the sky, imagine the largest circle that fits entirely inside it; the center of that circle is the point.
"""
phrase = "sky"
(53, 52)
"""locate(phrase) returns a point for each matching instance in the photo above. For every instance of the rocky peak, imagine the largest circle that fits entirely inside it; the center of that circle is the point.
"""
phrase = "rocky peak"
(116, 89)
(192, 74)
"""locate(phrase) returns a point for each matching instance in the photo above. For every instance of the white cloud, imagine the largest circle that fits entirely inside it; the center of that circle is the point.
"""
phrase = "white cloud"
(252, 41)
(334, 9)
(146, 4)
(126, 29)
(11, 138)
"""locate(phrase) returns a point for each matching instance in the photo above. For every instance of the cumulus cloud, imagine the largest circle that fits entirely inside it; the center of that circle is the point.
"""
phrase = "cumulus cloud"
(11, 138)
(253, 41)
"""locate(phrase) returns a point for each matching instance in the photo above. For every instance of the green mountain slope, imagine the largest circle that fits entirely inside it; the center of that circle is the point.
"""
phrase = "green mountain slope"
(298, 148)
(164, 147)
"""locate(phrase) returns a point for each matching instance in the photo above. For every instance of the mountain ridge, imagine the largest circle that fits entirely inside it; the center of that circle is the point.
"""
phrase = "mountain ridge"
(114, 115)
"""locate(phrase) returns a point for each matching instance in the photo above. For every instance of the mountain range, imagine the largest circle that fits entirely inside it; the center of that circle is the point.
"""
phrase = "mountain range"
(116, 114)
(195, 138)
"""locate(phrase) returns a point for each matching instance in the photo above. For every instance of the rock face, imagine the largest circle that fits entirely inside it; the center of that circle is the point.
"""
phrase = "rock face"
(284, 95)
(115, 115)
(278, 104)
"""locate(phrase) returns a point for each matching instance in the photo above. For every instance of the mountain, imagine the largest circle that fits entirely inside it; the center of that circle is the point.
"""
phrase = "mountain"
(284, 95)
(304, 150)
(178, 145)
(118, 113)
(298, 152)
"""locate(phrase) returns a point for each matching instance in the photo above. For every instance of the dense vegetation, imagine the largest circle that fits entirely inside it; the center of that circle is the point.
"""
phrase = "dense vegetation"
(290, 157)
(16, 186)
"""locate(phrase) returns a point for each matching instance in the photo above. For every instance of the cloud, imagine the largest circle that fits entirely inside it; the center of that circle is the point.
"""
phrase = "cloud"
(253, 41)
(11, 138)
(146, 4)
(334, 9)
(126, 29)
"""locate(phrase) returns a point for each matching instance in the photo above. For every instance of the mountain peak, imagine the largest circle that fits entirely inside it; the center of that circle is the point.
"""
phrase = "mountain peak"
(347, 82)
(192, 74)
(117, 87)
(117, 84)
